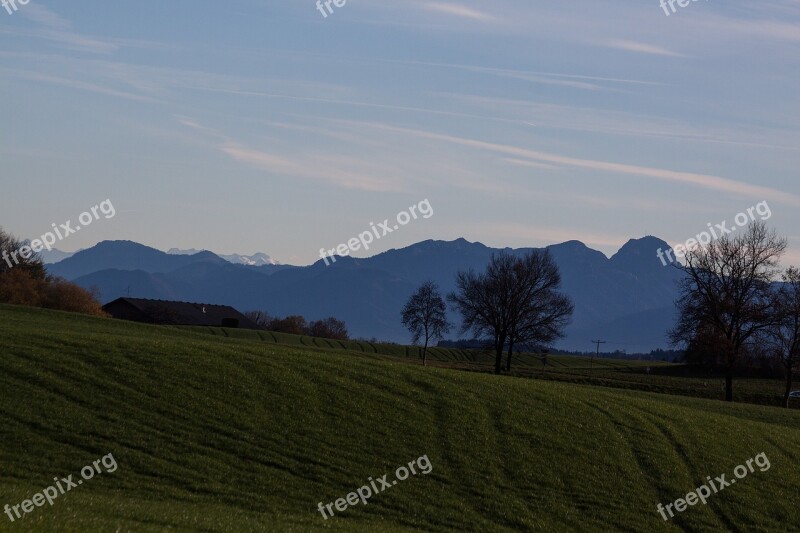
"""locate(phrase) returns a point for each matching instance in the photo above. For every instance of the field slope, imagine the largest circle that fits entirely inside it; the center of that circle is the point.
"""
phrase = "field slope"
(221, 433)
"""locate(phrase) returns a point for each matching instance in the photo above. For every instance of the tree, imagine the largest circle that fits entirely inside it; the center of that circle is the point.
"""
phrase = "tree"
(481, 304)
(784, 336)
(259, 318)
(24, 281)
(539, 313)
(294, 324)
(11, 259)
(706, 349)
(66, 296)
(329, 328)
(514, 300)
(425, 316)
(726, 292)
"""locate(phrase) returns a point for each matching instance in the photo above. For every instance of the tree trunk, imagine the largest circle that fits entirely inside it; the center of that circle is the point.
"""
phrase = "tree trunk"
(499, 344)
(729, 384)
(788, 387)
(425, 353)
(510, 351)
(730, 360)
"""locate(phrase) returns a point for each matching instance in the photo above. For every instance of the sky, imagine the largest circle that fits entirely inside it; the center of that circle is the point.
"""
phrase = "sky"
(263, 126)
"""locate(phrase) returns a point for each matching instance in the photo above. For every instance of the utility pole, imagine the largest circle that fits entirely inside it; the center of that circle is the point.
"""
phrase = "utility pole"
(598, 342)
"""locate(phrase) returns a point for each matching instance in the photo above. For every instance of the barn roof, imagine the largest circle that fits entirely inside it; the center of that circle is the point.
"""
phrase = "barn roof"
(180, 313)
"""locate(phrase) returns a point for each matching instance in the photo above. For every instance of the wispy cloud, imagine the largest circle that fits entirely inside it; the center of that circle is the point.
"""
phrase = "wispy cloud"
(641, 48)
(704, 181)
(75, 84)
(459, 10)
(332, 170)
(45, 17)
(53, 27)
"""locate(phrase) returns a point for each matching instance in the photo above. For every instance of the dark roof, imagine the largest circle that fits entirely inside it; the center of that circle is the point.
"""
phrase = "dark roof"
(177, 313)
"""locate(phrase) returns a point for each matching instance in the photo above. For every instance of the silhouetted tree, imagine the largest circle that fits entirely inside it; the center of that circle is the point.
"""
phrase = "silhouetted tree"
(425, 316)
(514, 300)
(259, 318)
(539, 313)
(726, 292)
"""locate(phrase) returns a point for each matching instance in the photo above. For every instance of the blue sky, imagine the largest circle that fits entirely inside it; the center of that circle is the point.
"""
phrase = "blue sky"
(248, 125)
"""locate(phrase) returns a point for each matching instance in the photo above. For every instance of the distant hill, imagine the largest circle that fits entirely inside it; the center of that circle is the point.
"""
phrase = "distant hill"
(626, 299)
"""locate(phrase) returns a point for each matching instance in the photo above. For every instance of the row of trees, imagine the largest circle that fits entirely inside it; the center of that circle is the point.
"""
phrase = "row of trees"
(327, 328)
(730, 305)
(514, 301)
(26, 282)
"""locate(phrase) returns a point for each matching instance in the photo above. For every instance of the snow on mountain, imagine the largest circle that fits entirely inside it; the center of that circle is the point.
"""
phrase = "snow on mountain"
(257, 259)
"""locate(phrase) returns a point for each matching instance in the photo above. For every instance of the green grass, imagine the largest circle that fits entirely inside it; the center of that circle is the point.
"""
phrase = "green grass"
(221, 433)
(617, 373)
(478, 359)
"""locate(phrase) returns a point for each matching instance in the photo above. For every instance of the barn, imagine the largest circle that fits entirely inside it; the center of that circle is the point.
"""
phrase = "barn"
(171, 313)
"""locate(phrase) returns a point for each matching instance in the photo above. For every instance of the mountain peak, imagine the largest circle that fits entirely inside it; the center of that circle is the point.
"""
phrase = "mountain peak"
(639, 254)
(257, 259)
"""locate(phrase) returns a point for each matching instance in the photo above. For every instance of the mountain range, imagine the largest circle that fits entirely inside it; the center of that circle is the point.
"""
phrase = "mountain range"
(627, 299)
(54, 255)
(257, 259)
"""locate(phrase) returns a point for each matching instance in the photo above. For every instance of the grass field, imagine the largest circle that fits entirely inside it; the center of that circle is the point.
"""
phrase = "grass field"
(623, 374)
(476, 359)
(232, 433)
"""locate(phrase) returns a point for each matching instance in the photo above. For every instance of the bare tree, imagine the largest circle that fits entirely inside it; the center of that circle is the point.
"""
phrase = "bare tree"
(260, 318)
(484, 309)
(515, 300)
(425, 316)
(784, 337)
(539, 313)
(726, 292)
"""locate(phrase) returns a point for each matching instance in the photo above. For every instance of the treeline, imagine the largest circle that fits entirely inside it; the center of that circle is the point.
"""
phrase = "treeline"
(674, 356)
(327, 328)
(24, 281)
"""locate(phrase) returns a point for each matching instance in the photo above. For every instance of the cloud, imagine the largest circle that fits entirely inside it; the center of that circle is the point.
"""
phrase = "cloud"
(459, 10)
(326, 169)
(531, 164)
(75, 84)
(642, 48)
(45, 17)
(54, 27)
(755, 29)
(704, 181)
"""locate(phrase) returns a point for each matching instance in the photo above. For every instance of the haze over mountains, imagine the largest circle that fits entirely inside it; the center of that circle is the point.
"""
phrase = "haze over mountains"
(627, 299)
